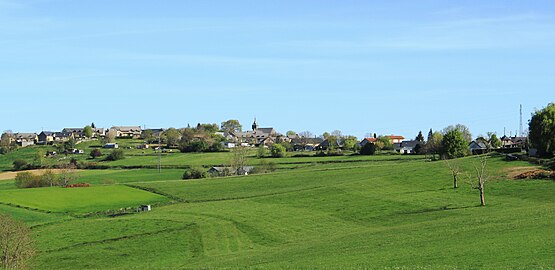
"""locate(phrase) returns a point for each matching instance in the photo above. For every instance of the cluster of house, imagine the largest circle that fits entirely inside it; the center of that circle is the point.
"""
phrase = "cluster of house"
(255, 137)
(78, 134)
(480, 146)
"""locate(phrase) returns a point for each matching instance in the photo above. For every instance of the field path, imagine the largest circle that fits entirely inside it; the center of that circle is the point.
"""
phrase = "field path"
(11, 175)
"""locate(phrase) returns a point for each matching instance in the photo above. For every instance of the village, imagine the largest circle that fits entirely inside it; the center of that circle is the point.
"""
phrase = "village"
(230, 135)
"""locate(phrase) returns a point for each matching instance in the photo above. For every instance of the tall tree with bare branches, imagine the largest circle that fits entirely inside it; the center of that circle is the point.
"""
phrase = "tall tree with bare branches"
(480, 177)
(16, 244)
(455, 171)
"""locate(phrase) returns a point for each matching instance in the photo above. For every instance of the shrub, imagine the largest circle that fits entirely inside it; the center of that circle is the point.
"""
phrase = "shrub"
(95, 153)
(20, 164)
(116, 155)
(368, 149)
(26, 180)
(29, 180)
(277, 150)
(195, 173)
(261, 152)
(216, 147)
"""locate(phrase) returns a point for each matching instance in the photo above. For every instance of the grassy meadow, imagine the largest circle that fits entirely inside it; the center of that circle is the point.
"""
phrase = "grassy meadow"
(385, 212)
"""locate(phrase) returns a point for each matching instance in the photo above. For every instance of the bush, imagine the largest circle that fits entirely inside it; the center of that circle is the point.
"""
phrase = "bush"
(216, 147)
(195, 173)
(261, 151)
(29, 180)
(26, 180)
(277, 150)
(368, 149)
(196, 146)
(116, 155)
(95, 153)
(20, 164)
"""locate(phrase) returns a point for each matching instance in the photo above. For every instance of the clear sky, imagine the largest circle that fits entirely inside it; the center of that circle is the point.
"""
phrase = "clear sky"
(390, 67)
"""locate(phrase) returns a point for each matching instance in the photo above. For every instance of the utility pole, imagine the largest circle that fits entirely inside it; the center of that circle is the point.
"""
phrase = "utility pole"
(520, 127)
(159, 153)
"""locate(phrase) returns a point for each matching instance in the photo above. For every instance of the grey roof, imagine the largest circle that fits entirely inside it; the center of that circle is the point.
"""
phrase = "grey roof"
(76, 130)
(477, 145)
(48, 133)
(127, 128)
(409, 144)
(62, 134)
(25, 135)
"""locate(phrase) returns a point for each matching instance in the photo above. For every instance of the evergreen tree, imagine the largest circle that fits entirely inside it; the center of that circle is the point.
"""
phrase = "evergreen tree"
(420, 137)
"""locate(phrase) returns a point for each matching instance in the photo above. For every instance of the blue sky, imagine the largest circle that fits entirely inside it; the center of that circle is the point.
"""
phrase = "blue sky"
(390, 67)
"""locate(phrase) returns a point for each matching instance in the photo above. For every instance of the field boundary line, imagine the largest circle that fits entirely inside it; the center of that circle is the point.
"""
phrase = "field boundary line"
(115, 239)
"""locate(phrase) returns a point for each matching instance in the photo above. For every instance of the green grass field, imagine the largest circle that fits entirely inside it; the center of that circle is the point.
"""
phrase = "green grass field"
(79, 200)
(385, 212)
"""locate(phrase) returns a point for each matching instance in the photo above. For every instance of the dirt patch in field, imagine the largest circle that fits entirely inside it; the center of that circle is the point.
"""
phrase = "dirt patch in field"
(529, 173)
(11, 175)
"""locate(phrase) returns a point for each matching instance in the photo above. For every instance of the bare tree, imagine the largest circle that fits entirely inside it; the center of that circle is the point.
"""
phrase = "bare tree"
(479, 178)
(16, 244)
(455, 171)
(239, 158)
(67, 174)
(305, 137)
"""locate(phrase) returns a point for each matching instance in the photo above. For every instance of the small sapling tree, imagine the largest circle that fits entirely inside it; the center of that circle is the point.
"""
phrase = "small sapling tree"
(479, 178)
(455, 171)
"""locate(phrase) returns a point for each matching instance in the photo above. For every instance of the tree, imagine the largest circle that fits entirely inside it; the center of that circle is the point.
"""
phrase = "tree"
(39, 160)
(455, 171)
(172, 136)
(277, 150)
(433, 145)
(291, 133)
(116, 155)
(454, 145)
(111, 135)
(16, 244)
(238, 158)
(368, 149)
(305, 137)
(337, 133)
(463, 129)
(479, 178)
(493, 141)
(542, 131)
(261, 151)
(325, 135)
(26, 180)
(195, 173)
(231, 126)
(95, 153)
(148, 136)
(88, 132)
(209, 128)
(67, 174)
(384, 143)
(350, 142)
(6, 142)
(20, 164)
(420, 137)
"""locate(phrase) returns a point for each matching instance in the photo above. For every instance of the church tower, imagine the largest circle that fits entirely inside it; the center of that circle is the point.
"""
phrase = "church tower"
(254, 125)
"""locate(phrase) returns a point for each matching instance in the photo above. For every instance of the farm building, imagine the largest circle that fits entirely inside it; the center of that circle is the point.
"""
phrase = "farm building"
(127, 131)
(111, 146)
(25, 139)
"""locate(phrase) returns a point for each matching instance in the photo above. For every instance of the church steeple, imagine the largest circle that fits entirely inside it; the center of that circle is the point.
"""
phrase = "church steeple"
(254, 125)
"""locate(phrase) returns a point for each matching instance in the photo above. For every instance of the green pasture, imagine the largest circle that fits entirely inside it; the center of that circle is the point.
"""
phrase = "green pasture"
(79, 200)
(349, 212)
